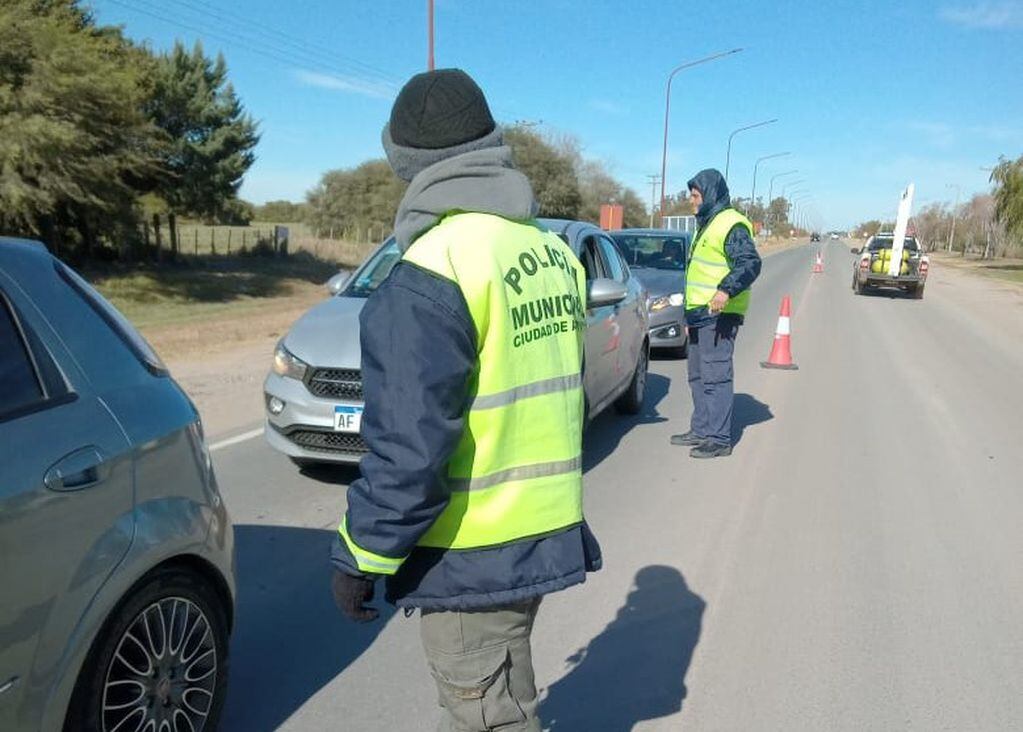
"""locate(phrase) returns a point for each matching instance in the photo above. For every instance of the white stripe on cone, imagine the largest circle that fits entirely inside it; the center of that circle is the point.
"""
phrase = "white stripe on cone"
(784, 328)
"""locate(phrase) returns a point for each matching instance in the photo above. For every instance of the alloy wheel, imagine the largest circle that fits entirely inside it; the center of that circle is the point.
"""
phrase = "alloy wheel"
(163, 673)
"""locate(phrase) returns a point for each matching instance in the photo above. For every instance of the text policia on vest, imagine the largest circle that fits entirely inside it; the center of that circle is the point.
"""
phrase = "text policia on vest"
(568, 310)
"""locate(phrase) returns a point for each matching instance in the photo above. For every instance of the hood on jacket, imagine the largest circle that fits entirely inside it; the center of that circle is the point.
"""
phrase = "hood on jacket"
(711, 185)
(479, 181)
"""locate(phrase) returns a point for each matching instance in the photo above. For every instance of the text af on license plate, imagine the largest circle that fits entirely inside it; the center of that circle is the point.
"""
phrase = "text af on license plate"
(347, 419)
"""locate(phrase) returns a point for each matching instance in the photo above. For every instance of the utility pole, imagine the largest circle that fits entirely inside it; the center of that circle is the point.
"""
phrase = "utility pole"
(654, 180)
(429, 35)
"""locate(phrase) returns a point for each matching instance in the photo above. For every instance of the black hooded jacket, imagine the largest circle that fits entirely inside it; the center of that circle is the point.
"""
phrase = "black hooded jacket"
(743, 260)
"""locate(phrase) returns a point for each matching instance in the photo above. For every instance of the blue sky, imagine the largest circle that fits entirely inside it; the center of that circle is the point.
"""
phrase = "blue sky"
(869, 95)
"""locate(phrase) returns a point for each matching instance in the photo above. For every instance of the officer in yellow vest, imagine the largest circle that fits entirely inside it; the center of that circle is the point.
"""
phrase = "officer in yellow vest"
(723, 263)
(470, 501)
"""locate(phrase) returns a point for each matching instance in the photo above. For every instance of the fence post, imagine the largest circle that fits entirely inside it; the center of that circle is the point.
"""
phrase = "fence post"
(229, 232)
(244, 236)
(196, 230)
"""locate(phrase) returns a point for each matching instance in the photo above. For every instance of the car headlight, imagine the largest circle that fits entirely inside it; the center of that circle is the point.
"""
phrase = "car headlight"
(674, 300)
(288, 364)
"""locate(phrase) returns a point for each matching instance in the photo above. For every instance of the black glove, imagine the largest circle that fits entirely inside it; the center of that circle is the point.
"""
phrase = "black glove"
(350, 594)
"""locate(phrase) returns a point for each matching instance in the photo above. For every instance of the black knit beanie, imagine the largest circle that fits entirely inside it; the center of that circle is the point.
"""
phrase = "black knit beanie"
(440, 109)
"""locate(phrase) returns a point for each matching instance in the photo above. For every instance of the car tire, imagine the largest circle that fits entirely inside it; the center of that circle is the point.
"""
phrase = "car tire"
(917, 292)
(303, 463)
(631, 400)
(185, 687)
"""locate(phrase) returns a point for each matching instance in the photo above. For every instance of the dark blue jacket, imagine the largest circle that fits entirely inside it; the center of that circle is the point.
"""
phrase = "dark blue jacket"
(743, 261)
(418, 355)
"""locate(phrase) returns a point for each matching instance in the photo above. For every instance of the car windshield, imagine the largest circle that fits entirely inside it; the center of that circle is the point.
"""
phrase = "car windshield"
(375, 272)
(656, 252)
(885, 242)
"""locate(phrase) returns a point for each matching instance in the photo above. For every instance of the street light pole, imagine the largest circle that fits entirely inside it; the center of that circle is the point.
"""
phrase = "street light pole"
(728, 154)
(667, 108)
(753, 194)
(770, 188)
(429, 35)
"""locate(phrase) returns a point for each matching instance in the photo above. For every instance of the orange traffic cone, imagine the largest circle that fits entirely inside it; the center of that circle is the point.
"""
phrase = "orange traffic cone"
(781, 351)
(818, 266)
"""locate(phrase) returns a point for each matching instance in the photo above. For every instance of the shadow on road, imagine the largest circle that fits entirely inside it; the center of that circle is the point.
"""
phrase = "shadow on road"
(289, 640)
(635, 669)
(607, 430)
(747, 411)
(332, 474)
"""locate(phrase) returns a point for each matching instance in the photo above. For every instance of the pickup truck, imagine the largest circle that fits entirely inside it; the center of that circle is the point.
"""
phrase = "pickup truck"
(871, 268)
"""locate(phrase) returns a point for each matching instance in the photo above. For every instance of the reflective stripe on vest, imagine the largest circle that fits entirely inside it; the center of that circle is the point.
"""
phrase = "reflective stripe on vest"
(708, 263)
(517, 470)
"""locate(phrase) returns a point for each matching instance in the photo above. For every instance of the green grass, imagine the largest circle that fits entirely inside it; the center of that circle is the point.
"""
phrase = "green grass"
(207, 287)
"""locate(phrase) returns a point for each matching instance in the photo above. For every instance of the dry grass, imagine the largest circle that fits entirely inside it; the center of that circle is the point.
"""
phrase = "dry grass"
(1004, 269)
(210, 304)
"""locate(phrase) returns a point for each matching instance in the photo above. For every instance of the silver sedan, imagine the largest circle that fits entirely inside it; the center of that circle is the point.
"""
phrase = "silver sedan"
(658, 259)
(313, 393)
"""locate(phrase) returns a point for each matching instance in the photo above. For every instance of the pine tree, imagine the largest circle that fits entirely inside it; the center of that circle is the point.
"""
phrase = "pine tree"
(211, 138)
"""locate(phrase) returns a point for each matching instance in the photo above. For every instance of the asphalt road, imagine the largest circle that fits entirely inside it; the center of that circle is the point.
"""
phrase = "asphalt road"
(857, 563)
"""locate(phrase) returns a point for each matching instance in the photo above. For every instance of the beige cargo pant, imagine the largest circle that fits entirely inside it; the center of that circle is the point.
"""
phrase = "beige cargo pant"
(483, 666)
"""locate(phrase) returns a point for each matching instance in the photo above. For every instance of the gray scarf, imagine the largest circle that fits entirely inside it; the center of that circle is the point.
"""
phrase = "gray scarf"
(480, 181)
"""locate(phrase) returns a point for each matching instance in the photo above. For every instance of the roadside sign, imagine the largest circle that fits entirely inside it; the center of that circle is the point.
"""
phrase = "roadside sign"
(905, 205)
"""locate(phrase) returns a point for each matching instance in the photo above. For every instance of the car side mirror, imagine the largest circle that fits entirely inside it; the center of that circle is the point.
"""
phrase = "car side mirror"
(605, 292)
(854, 250)
(337, 283)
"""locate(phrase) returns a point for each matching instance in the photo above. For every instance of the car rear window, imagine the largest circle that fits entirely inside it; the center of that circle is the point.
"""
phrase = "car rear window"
(878, 243)
(119, 324)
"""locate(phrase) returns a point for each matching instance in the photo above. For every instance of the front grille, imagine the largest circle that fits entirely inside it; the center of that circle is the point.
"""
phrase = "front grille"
(335, 384)
(328, 441)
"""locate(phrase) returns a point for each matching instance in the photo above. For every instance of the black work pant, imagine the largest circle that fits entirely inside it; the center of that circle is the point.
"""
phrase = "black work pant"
(711, 376)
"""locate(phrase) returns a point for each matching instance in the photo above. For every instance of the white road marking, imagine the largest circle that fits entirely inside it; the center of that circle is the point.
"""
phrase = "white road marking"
(236, 439)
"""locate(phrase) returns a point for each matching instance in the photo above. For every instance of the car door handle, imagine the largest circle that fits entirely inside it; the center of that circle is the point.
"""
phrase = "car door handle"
(81, 469)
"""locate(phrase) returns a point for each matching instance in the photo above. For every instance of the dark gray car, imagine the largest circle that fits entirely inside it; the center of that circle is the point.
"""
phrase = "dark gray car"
(116, 551)
(658, 258)
(314, 390)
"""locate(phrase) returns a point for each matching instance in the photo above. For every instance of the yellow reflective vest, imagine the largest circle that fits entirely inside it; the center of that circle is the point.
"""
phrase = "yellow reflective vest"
(708, 263)
(517, 470)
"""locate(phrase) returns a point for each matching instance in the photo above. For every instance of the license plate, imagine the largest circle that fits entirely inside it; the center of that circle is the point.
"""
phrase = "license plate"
(347, 419)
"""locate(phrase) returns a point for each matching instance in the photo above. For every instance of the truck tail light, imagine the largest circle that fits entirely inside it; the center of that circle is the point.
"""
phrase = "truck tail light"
(923, 267)
(865, 263)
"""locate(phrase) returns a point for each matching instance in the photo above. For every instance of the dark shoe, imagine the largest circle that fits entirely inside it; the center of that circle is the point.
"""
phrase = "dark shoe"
(689, 439)
(710, 450)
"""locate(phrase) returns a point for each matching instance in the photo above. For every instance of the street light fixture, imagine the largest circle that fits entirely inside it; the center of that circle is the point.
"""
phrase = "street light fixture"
(753, 194)
(728, 155)
(667, 108)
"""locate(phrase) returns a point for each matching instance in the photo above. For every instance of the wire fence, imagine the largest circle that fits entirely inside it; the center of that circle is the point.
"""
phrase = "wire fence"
(203, 240)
